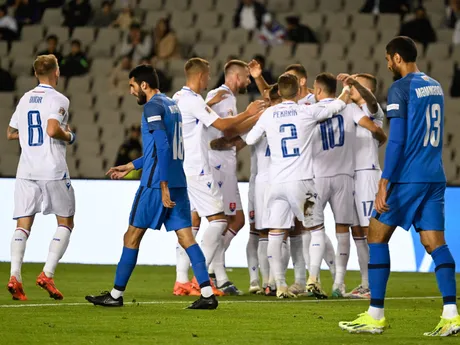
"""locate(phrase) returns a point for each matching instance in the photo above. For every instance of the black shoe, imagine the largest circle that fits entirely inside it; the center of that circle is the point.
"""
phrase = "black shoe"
(204, 303)
(105, 300)
(230, 290)
(269, 291)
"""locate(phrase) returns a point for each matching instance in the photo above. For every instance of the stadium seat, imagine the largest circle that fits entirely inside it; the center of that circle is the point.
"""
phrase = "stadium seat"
(332, 51)
(110, 35)
(176, 67)
(81, 100)
(205, 50)
(3, 48)
(434, 6)
(101, 66)
(91, 167)
(240, 36)
(340, 36)
(356, 51)
(176, 5)
(330, 6)
(280, 53)
(313, 20)
(387, 21)
(253, 49)
(227, 49)
(25, 83)
(337, 66)
(61, 32)
(22, 49)
(8, 164)
(442, 70)
(112, 131)
(108, 116)
(363, 65)
(214, 36)
(444, 35)
(72, 165)
(79, 84)
(110, 150)
(87, 148)
(187, 36)
(152, 17)
(108, 101)
(207, 21)
(198, 6)
(352, 6)
(129, 105)
(90, 132)
(302, 6)
(84, 34)
(306, 51)
(100, 84)
(53, 16)
(9, 146)
(101, 49)
(437, 51)
(80, 117)
(242, 102)
(151, 5)
(7, 101)
(177, 84)
(365, 38)
(182, 20)
(279, 6)
(314, 67)
(363, 21)
(226, 6)
(278, 67)
(337, 21)
(32, 33)
(387, 35)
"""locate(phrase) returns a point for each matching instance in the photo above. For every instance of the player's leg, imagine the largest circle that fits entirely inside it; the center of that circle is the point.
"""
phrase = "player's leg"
(27, 202)
(253, 260)
(360, 238)
(298, 261)
(329, 255)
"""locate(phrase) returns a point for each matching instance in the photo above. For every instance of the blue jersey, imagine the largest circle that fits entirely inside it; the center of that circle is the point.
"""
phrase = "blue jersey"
(161, 112)
(419, 100)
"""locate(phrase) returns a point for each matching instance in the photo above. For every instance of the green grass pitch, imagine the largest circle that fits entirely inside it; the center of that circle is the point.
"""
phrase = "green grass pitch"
(152, 315)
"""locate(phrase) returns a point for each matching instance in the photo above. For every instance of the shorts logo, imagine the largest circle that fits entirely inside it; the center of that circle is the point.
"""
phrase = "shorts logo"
(232, 206)
(209, 184)
(68, 184)
(218, 166)
(251, 215)
(220, 183)
(202, 172)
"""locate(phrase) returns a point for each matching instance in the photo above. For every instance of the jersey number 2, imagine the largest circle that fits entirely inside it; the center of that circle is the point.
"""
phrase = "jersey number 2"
(433, 125)
(329, 128)
(284, 149)
(35, 128)
(178, 142)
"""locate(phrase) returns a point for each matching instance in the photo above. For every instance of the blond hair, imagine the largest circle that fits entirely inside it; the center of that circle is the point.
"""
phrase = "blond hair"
(196, 65)
(233, 64)
(45, 64)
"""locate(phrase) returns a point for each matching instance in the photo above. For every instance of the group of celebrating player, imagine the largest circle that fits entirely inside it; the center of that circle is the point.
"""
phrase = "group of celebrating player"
(308, 148)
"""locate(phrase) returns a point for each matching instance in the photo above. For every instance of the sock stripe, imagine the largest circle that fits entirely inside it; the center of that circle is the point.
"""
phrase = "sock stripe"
(254, 233)
(449, 300)
(65, 226)
(204, 284)
(276, 234)
(219, 221)
(378, 266)
(447, 265)
(377, 303)
(119, 288)
(263, 239)
(359, 238)
(26, 232)
(232, 231)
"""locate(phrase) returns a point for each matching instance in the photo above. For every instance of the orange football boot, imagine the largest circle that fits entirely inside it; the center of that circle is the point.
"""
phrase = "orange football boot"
(215, 290)
(16, 290)
(48, 284)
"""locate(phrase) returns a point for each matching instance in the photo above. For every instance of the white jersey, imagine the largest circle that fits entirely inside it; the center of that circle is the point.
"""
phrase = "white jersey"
(253, 163)
(225, 160)
(42, 157)
(307, 100)
(335, 142)
(262, 152)
(289, 128)
(367, 147)
(196, 118)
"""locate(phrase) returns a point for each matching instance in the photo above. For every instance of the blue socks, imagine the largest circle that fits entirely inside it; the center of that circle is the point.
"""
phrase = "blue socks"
(198, 265)
(125, 268)
(379, 272)
(445, 273)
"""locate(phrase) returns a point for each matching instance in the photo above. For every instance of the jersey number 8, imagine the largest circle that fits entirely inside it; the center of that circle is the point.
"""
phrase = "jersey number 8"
(178, 142)
(433, 125)
(35, 128)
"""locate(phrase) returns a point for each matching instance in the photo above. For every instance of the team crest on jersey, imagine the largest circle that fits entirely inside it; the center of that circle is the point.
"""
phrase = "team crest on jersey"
(251, 215)
(425, 77)
(220, 183)
(62, 111)
(230, 112)
(232, 206)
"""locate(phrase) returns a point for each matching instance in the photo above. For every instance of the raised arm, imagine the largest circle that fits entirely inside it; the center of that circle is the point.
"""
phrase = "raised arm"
(242, 127)
(365, 93)
(256, 73)
(252, 110)
(323, 111)
(376, 131)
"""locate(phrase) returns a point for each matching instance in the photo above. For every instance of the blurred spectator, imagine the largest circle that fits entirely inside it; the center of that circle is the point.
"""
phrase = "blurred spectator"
(52, 48)
(76, 13)
(8, 25)
(130, 150)
(452, 13)
(125, 19)
(26, 12)
(299, 33)
(75, 63)
(166, 44)
(419, 29)
(6, 81)
(248, 15)
(386, 6)
(221, 79)
(120, 76)
(104, 16)
(455, 86)
(271, 32)
(136, 44)
(252, 88)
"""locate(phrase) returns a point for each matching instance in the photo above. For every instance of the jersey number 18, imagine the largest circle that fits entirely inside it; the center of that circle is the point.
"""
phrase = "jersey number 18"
(178, 142)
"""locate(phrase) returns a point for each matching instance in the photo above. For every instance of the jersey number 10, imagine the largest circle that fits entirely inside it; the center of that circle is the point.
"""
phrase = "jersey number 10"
(433, 125)
(178, 142)
(329, 128)
(34, 122)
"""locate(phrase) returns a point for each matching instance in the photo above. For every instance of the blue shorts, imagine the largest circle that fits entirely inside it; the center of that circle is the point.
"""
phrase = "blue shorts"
(148, 210)
(417, 204)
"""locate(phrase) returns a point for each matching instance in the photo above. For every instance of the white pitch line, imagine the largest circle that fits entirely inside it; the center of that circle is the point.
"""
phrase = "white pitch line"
(220, 302)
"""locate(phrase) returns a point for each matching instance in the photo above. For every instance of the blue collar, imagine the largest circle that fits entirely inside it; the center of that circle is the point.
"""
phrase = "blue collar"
(45, 86)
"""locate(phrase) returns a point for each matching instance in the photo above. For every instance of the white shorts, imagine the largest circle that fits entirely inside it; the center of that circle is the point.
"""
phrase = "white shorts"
(204, 194)
(338, 191)
(366, 187)
(297, 198)
(228, 184)
(251, 196)
(260, 206)
(47, 196)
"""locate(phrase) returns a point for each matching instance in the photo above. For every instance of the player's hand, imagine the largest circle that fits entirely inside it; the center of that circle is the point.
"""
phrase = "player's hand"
(255, 69)
(165, 196)
(381, 205)
(220, 96)
(346, 79)
(256, 107)
(117, 173)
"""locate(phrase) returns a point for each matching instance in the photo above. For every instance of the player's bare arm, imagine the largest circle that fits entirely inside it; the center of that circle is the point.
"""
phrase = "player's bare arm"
(365, 93)
(12, 133)
(376, 131)
(380, 199)
(165, 196)
(243, 127)
(223, 144)
(219, 96)
(256, 72)
(119, 172)
(54, 130)
(252, 110)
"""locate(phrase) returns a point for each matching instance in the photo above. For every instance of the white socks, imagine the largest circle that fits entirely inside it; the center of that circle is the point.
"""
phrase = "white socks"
(449, 311)
(116, 293)
(183, 261)
(252, 256)
(263, 261)
(306, 238)
(298, 260)
(341, 261)
(286, 254)
(218, 264)
(212, 238)
(57, 249)
(329, 255)
(363, 258)
(18, 248)
(275, 258)
(376, 313)
(317, 249)
(228, 237)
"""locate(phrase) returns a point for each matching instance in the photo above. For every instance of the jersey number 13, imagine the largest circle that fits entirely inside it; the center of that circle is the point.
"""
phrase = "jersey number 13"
(433, 125)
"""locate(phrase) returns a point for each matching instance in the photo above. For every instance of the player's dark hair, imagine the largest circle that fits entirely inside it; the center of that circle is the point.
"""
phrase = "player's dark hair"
(145, 73)
(288, 85)
(328, 82)
(273, 93)
(234, 63)
(369, 77)
(404, 46)
(298, 69)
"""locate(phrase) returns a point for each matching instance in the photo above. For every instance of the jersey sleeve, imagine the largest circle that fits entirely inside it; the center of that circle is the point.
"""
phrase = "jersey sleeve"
(59, 108)
(357, 114)
(397, 102)
(204, 113)
(323, 111)
(153, 114)
(257, 131)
